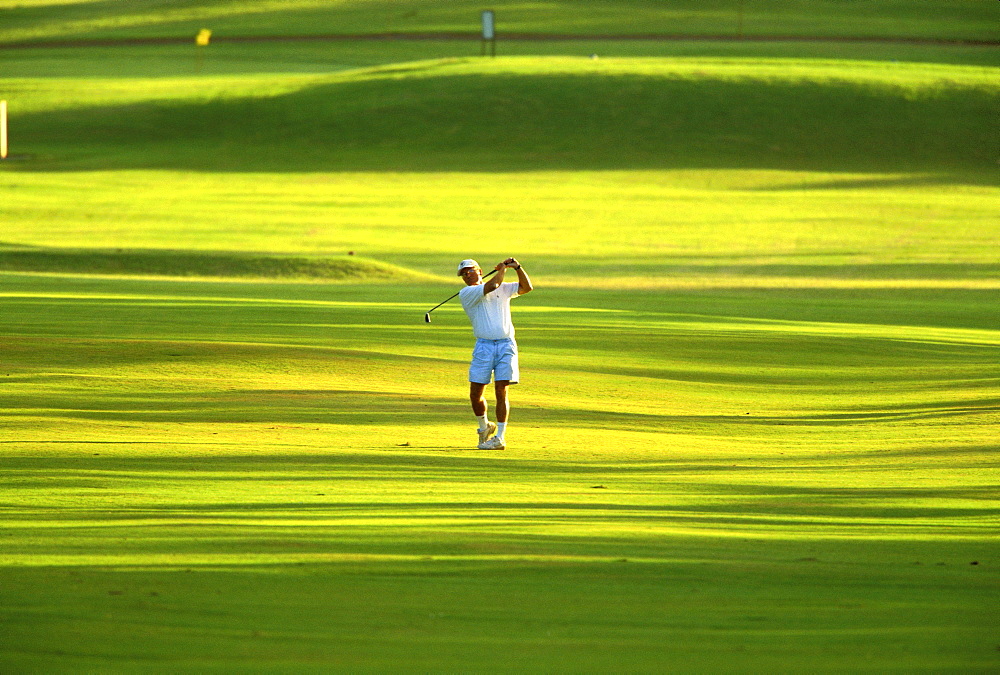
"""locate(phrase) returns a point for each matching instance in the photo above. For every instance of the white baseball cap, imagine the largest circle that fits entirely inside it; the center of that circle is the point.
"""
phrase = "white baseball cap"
(466, 263)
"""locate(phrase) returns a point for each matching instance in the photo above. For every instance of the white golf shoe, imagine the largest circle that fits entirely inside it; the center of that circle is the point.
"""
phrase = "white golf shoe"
(484, 434)
(495, 443)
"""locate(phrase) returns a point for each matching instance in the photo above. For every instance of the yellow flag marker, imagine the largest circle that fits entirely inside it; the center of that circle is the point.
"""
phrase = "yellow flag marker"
(204, 35)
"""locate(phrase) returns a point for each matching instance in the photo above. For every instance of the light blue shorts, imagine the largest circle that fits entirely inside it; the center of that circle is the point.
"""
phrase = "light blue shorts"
(494, 357)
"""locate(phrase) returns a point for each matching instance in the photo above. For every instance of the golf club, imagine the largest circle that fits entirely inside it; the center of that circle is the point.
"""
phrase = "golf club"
(427, 316)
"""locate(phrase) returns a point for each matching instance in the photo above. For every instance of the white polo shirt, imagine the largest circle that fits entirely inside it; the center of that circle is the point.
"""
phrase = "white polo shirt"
(490, 313)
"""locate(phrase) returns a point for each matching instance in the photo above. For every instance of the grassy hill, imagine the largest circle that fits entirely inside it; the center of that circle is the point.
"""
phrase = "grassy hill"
(519, 114)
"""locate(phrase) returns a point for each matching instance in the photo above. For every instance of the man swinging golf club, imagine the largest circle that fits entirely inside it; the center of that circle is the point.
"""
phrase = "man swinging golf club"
(487, 303)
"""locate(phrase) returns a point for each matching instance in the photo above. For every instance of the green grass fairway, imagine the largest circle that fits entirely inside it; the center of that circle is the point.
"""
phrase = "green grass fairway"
(761, 368)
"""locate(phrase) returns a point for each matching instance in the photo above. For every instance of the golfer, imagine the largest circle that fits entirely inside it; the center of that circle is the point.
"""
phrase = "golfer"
(495, 355)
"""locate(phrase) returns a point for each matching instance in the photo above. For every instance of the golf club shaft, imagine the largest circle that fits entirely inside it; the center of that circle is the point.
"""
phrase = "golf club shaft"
(488, 275)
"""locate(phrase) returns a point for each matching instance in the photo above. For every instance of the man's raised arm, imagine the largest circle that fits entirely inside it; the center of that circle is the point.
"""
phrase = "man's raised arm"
(523, 282)
(494, 282)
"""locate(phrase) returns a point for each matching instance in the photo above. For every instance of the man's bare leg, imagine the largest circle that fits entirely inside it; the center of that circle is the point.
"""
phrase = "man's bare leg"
(478, 400)
(480, 408)
(503, 406)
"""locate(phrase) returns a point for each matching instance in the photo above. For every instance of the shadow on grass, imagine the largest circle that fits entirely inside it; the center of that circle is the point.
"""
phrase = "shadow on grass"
(309, 486)
(406, 411)
(859, 183)
(829, 509)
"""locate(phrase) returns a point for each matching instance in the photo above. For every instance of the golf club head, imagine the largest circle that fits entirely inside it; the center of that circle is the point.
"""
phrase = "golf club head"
(427, 317)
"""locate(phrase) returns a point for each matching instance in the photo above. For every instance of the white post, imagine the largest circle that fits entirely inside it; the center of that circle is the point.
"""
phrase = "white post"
(3, 129)
(489, 32)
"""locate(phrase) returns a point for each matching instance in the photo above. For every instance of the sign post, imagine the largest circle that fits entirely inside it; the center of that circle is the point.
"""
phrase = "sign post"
(3, 129)
(489, 33)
